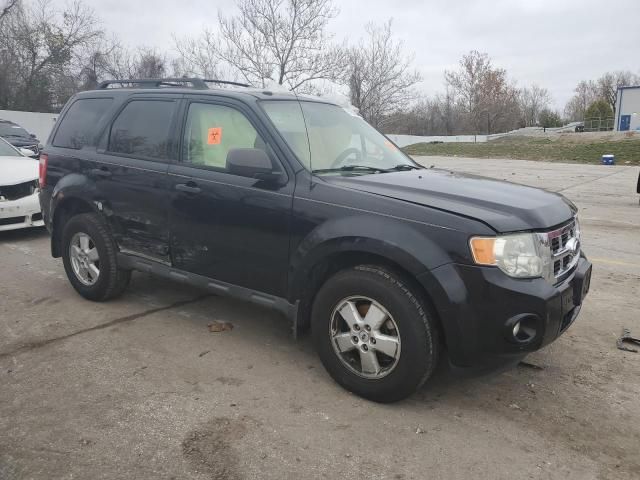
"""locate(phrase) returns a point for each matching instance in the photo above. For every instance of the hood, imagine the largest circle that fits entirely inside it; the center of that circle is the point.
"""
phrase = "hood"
(14, 170)
(504, 206)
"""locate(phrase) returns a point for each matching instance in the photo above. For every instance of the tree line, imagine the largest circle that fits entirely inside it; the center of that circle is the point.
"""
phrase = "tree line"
(48, 54)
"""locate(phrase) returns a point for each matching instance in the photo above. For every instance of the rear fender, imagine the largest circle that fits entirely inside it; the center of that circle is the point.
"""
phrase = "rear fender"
(72, 194)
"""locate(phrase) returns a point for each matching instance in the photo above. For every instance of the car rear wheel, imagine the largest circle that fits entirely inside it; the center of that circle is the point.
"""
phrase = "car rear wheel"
(374, 335)
(89, 257)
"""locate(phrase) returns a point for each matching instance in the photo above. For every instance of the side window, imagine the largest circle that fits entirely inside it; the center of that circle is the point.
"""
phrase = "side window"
(77, 127)
(143, 129)
(212, 130)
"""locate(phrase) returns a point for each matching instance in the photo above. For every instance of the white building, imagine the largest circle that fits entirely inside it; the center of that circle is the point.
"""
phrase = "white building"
(628, 109)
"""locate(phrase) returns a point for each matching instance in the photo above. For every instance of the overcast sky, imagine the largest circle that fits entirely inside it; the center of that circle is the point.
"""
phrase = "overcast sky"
(554, 43)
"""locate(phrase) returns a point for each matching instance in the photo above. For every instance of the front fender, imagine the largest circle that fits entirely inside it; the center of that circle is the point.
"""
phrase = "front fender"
(401, 242)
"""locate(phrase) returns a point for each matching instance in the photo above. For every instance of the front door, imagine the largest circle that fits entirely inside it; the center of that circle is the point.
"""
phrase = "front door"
(224, 226)
(625, 121)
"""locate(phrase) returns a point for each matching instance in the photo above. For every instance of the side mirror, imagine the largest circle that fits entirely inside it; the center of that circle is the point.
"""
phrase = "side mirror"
(32, 135)
(252, 163)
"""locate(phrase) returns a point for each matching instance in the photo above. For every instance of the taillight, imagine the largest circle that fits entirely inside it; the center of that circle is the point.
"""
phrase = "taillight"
(44, 160)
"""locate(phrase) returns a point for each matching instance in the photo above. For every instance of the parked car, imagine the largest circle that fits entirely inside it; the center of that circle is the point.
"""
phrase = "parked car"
(19, 205)
(297, 204)
(19, 137)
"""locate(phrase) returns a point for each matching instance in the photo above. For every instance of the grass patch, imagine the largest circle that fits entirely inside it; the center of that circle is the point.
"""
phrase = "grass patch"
(560, 149)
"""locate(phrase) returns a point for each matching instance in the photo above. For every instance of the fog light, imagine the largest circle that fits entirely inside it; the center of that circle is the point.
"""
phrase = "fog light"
(523, 328)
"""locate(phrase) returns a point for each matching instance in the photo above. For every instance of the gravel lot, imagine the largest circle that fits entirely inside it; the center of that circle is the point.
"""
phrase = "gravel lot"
(139, 388)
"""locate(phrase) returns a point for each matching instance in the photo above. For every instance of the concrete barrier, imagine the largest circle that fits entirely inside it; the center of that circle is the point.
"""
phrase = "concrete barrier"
(39, 124)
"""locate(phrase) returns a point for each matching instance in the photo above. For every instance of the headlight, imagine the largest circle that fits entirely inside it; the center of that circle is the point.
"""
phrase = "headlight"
(521, 255)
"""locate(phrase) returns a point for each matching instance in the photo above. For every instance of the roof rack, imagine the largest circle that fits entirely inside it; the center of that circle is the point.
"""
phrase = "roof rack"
(227, 82)
(184, 82)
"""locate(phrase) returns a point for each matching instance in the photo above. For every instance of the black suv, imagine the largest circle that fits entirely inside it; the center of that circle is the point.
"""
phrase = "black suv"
(296, 203)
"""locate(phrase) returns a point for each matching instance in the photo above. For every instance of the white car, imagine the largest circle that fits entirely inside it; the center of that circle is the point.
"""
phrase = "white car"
(19, 204)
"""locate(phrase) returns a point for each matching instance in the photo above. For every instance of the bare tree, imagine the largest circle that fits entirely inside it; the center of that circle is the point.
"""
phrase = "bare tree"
(199, 57)
(112, 60)
(485, 95)
(281, 40)
(532, 101)
(39, 48)
(149, 63)
(6, 7)
(586, 92)
(379, 75)
(609, 83)
(95, 62)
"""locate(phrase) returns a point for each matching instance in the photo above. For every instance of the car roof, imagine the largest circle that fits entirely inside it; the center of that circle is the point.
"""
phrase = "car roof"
(244, 93)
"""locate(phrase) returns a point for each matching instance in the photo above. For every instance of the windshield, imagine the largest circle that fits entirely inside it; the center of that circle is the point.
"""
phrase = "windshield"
(11, 130)
(338, 141)
(7, 150)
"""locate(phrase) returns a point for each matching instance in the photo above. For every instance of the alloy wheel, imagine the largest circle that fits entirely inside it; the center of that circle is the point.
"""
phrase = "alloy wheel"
(365, 337)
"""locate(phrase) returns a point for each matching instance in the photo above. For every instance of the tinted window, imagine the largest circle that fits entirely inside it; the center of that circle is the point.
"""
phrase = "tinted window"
(143, 129)
(77, 127)
(12, 130)
(213, 130)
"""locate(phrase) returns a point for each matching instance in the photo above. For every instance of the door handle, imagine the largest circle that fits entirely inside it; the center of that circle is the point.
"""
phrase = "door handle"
(101, 172)
(190, 187)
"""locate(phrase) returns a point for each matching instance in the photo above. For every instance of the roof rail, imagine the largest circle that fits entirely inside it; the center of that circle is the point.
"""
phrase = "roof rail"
(227, 82)
(184, 82)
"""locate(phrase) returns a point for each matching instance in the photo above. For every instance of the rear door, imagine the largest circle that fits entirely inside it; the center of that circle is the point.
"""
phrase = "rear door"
(130, 171)
(225, 226)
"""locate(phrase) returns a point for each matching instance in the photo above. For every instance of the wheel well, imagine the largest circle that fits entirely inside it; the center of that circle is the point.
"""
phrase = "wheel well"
(332, 264)
(63, 213)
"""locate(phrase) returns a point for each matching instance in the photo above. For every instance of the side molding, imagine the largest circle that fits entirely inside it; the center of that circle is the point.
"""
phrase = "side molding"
(217, 287)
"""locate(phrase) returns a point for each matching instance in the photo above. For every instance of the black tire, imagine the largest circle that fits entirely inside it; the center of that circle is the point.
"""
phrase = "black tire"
(415, 325)
(111, 281)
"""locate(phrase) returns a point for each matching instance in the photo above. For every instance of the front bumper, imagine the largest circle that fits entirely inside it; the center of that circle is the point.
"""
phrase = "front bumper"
(480, 306)
(21, 213)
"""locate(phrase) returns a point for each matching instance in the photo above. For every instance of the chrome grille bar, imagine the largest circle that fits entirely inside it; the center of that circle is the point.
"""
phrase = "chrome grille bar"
(565, 249)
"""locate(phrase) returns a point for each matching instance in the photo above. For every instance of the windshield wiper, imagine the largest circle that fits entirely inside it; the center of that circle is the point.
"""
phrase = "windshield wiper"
(351, 168)
(405, 166)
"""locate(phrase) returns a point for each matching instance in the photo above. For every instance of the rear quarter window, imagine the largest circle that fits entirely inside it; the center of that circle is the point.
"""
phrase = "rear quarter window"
(77, 127)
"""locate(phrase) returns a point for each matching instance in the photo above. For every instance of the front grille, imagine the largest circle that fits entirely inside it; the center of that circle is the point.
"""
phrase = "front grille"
(565, 249)
(15, 192)
(11, 221)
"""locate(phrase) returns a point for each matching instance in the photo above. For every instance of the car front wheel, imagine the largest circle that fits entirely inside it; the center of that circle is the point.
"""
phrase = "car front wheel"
(374, 335)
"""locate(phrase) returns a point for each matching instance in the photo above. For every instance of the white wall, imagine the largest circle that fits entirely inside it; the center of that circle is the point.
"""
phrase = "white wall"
(39, 124)
(630, 106)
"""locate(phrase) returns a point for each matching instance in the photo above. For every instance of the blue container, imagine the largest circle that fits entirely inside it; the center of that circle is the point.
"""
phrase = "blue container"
(608, 159)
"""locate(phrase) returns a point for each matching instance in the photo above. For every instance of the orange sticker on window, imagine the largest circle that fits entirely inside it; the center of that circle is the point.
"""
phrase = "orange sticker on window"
(214, 137)
(390, 145)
